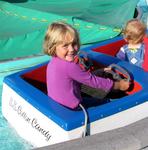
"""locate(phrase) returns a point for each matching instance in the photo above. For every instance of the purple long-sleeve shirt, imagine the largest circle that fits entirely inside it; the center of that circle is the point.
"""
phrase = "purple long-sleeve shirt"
(64, 78)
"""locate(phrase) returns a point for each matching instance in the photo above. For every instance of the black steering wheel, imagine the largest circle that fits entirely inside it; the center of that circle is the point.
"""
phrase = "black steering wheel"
(116, 72)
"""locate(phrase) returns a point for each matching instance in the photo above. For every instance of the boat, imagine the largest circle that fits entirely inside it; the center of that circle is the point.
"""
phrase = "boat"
(41, 121)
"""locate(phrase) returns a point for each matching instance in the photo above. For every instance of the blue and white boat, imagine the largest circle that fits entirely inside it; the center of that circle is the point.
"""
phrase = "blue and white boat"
(41, 121)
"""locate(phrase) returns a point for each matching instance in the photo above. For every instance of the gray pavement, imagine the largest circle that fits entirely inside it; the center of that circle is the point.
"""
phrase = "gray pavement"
(131, 137)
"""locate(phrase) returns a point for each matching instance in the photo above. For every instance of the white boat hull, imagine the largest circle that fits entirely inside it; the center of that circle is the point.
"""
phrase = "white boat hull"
(40, 130)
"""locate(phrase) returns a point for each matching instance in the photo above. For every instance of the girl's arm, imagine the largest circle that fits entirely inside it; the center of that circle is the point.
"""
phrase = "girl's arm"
(84, 77)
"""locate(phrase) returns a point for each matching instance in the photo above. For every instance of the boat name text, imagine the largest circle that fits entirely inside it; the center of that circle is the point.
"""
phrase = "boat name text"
(34, 122)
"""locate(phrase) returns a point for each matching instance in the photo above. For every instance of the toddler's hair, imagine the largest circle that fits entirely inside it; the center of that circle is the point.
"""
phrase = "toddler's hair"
(58, 33)
(134, 31)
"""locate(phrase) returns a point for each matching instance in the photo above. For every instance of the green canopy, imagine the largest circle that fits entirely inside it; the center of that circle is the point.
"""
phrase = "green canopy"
(24, 22)
(107, 12)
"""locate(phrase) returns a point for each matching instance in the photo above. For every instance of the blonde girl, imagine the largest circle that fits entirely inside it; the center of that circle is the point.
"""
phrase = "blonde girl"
(64, 76)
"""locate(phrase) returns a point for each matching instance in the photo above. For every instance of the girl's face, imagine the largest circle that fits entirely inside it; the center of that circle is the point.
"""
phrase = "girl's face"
(67, 51)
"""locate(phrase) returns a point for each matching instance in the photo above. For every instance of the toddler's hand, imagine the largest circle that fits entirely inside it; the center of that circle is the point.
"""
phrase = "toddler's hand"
(121, 85)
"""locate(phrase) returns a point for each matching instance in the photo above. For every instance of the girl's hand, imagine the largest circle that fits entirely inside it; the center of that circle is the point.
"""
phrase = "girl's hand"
(121, 85)
(107, 69)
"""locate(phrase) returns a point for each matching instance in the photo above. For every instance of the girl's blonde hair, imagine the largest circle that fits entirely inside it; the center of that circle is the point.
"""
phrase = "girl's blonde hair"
(134, 31)
(56, 34)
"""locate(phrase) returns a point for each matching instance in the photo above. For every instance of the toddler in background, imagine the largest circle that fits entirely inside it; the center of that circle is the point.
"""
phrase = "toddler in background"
(134, 50)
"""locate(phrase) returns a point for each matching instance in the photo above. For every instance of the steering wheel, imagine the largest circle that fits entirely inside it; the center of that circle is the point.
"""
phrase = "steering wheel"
(118, 73)
(117, 76)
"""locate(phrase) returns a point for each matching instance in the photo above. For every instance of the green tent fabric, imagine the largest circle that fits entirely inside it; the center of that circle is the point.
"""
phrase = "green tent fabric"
(106, 12)
(24, 22)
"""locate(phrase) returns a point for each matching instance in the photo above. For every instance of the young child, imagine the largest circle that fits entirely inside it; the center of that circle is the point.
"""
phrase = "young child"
(134, 50)
(64, 76)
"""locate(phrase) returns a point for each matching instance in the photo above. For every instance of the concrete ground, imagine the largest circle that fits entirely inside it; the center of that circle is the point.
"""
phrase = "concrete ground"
(131, 137)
